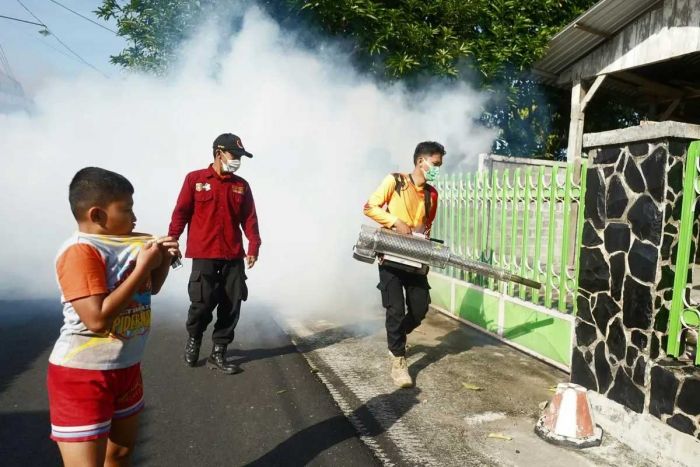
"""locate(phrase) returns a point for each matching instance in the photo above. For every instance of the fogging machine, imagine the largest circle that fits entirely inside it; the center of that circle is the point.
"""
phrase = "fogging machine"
(416, 253)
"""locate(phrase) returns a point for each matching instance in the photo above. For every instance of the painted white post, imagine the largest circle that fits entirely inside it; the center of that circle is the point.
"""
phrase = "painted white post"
(573, 149)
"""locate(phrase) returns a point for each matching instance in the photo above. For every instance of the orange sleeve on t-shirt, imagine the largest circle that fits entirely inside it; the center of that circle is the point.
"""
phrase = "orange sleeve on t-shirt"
(81, 272)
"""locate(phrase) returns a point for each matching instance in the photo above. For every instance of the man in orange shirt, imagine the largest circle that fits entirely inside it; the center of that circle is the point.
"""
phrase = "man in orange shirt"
(406, 204)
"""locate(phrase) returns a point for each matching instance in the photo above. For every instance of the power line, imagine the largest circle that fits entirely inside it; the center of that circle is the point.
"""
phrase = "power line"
(6, 64)
(84, 17)
(22, 21)
(29, 11)
(6, 70)
(85, 62)
(43, 41)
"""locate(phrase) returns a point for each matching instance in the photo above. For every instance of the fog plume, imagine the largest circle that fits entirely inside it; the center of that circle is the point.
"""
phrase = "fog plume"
(323, 137)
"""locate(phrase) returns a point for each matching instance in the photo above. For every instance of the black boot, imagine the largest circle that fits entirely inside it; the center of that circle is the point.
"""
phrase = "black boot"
(192, 351)
(217, 360)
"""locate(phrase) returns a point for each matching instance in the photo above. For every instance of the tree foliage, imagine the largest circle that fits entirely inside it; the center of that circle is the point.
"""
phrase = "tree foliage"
(491, 43)
(496, 36)
(154, 28)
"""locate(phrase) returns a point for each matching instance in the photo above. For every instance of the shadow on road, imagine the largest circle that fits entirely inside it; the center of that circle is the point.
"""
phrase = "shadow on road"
(27, 329)
(25, 439)
(316, 341)
(319, 340)
(302, 447)
(458, 340)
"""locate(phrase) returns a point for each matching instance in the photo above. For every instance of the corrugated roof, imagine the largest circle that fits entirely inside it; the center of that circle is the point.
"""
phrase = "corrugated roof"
(586, 32)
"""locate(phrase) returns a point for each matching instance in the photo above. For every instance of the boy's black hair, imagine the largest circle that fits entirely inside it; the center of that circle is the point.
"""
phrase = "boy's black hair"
(93, 186)
(428, 148)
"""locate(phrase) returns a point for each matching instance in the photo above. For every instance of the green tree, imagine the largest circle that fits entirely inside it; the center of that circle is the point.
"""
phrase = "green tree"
(491, 43)
(154, 28)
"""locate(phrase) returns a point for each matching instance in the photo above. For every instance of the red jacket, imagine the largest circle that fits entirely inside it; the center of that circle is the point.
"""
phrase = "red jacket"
(214, 208)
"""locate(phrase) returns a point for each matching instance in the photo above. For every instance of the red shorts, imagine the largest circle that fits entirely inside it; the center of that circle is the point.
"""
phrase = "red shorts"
(83, 403)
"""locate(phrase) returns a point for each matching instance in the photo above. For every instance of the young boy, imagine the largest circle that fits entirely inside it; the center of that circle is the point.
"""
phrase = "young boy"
(107, 274)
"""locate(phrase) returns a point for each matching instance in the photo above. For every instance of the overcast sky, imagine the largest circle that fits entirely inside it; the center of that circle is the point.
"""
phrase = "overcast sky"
(34, 59)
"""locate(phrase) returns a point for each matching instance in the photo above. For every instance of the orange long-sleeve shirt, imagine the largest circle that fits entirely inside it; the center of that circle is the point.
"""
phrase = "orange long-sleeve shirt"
(386, 205)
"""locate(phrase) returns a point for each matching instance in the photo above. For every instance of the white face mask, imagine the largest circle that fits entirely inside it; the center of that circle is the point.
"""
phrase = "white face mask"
(230, 166)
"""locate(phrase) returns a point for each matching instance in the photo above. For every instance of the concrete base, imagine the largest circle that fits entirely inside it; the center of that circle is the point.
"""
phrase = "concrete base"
(650, 437)
(579, 443)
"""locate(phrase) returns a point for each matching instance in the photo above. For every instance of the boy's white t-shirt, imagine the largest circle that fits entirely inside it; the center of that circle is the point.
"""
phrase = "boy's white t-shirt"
(89, 264)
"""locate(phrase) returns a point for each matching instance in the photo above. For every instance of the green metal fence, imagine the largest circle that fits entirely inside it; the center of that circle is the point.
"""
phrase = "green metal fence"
(685, 309)
(527, 221)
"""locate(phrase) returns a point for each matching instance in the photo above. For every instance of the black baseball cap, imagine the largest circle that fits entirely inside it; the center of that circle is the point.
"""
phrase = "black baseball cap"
(231, 143)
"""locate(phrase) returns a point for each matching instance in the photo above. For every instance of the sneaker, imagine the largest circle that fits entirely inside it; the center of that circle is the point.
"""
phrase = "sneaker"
(399, 372)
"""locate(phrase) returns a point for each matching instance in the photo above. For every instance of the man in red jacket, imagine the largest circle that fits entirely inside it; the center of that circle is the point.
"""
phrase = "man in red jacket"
(215, 204)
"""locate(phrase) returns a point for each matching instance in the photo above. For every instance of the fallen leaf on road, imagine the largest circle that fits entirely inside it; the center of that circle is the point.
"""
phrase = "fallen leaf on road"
(281, 391)
(552, 389)
(314, 370)
(472, 387)
(500, 436)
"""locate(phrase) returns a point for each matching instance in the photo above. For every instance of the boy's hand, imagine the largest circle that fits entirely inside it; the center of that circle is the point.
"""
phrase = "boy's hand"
(251, 260)
(401, 227)
(150, 256)
(169, 245)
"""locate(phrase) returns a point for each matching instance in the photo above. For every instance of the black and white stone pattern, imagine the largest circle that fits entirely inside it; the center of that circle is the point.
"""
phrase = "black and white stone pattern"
(632, 219)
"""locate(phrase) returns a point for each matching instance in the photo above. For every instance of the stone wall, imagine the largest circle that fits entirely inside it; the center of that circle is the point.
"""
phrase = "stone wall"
(632, 211)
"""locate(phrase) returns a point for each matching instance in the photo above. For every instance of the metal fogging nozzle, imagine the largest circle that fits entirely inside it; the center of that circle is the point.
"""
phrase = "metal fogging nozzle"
(375, 240)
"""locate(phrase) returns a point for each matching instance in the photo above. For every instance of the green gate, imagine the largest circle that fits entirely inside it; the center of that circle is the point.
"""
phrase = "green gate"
(529, 222)
(685, 309)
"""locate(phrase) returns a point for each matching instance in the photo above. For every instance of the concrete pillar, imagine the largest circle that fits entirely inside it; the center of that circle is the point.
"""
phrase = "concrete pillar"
(632, 213)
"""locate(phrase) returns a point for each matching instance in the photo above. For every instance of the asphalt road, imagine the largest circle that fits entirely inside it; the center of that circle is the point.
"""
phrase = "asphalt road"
(276, 412)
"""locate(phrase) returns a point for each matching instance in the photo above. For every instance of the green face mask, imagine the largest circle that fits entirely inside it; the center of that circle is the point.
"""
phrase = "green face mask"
(432, 173)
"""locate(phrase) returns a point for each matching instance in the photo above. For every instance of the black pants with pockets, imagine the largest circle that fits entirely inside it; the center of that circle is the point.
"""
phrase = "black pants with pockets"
(220, 284)
(399, 323)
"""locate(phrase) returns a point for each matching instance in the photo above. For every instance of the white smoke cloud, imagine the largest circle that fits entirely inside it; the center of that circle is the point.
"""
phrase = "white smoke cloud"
(322, 135)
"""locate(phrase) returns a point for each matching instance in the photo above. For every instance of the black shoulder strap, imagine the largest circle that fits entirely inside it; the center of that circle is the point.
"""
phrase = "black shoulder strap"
(399, 182)
(427, 190)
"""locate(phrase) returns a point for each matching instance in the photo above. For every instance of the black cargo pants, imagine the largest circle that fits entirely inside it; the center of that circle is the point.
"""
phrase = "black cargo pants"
(399, 322)
(220, 284)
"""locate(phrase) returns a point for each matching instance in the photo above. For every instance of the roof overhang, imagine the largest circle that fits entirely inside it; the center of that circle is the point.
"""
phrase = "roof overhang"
(585, 33)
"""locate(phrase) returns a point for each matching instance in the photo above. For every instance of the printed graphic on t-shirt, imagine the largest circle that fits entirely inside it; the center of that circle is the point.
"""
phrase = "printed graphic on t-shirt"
(132, 322)
(135, 320)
